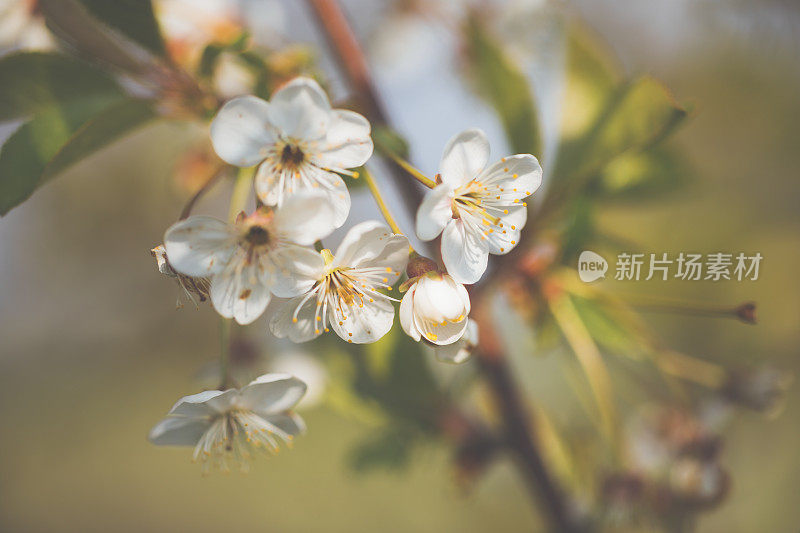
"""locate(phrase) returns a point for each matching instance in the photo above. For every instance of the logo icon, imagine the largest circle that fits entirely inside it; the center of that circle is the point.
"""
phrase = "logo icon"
(591, 266)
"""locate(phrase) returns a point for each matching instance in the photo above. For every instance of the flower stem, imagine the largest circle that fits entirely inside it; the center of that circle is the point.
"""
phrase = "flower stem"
(225, 326)
(408, 167)
(187, 209)
(376, 193)
(241, 191)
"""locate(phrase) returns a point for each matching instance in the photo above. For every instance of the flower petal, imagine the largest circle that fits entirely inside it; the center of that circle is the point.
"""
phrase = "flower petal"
(503, 241)
(305, 328)
(272, 394)
(435, 212)
(518, 175)
(464, 254)
(300, 109)
(275, 187)
(239, 292)
(347, 143)
(407, 315)
(465, 156)
(178, 431)
(365, 323)
(199, 245)
(203, 404)
(461, 350)
(440, 333)
(295, 270)
(289, 423)
(305, 218)
(441, 299)
(372, 244)
(241, 131)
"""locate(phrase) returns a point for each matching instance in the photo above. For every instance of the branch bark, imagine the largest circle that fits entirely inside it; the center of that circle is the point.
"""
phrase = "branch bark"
(492, 360)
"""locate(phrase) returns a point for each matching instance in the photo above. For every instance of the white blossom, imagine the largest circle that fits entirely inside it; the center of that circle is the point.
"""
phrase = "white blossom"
(478, 209)
(435, 307)
(346, 291)
(259, 254)
(298, 140)
(461, 350)
(226, 427)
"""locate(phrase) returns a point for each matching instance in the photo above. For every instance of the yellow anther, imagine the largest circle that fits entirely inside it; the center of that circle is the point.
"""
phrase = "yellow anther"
(294, 319)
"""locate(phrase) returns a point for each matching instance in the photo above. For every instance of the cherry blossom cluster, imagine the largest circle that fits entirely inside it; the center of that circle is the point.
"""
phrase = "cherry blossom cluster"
(302, 147)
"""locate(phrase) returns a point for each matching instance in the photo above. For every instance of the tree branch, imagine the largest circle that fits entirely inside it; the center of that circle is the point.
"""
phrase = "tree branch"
(493, 363)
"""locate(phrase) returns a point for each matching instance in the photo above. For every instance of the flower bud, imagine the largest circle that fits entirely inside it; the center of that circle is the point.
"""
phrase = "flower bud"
(419, 265)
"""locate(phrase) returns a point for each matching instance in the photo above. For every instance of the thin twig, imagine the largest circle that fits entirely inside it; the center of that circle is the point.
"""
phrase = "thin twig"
(187, 209)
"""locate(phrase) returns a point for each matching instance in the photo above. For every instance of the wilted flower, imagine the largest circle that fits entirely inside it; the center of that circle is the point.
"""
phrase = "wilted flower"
(461, 350)
(435, 307)
(762, 389)
(298, 140)
(346, 288)
(228, 426)
(259, 254)
(477, 209)
(190, 285)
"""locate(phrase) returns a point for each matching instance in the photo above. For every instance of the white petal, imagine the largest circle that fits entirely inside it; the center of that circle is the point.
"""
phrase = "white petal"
(305, 218)
(275, 188)
(440, 333)
(503, 241)
(289, 423)
(199, 245)
(460, 350)
(306, 327)
(372, 244)
(239, 291)
(465, 156)
(407, 315)
(347, 143)
(441, 299)
(241, 132)
(525, 167)
(178, 431)
(295, 270)
(464, 254)
(435, 212)
(300, 109)
(204, 403)
(272, 393)
(366, 323)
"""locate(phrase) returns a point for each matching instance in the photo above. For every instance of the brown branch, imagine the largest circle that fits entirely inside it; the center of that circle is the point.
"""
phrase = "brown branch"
(353, 63)
(493, 363)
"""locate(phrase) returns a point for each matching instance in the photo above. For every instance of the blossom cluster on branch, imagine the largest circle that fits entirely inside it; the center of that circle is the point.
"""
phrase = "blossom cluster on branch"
(302, 147)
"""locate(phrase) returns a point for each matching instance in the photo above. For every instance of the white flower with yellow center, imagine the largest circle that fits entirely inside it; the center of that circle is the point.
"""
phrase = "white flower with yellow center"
(227, 427)
(298, 140)
(478, 209)
(259, 255)
(435, 308)
(347, 288)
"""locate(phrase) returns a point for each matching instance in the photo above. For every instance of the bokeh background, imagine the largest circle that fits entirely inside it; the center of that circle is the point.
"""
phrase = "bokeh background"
(92, 352)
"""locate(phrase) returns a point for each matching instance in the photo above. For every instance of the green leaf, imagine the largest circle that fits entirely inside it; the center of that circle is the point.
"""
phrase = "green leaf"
(101, 130)
(390, 450)
(134, 18)
(58, 137)
(641, 175)
(72, 22)
(33, 81)
(503, 85)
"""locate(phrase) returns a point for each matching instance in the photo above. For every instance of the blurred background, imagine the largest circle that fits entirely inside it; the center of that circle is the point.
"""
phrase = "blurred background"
(93, 353)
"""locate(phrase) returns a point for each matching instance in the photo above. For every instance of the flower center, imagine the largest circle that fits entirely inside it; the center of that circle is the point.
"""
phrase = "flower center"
(234, 436)
(292, 156)
(257, 236)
